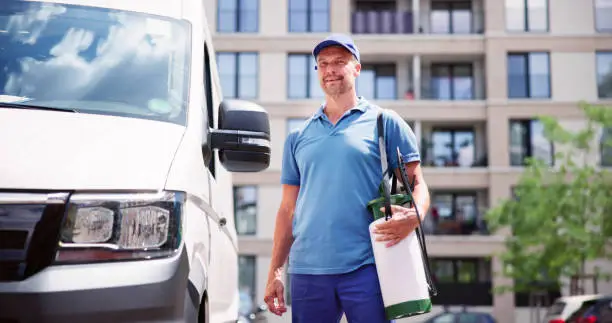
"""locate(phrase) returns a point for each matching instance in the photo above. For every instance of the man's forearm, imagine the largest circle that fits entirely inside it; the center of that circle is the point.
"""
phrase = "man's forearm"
(421, 197)
(283, 239)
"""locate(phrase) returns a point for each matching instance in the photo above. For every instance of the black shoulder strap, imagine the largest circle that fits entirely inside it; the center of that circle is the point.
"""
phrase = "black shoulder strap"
(388, 174)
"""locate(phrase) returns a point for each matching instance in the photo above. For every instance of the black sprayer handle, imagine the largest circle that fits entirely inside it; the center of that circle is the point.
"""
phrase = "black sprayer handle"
(420, 233)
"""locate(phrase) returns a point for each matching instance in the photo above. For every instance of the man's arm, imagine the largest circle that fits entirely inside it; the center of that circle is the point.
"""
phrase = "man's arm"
(283, 232)
(421, 190)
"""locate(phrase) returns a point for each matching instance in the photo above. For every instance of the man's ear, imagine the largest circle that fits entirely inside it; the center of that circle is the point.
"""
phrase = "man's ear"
(357, 69)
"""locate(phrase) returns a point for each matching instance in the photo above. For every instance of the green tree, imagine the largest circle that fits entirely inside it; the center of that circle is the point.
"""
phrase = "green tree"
(560, 216)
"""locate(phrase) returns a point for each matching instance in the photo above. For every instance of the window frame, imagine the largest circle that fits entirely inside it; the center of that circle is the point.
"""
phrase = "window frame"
(474, 261)
(237, 76)
(527, 125)
(596, 21)
(309, 71)
(453, 131)
(527, 75)
(449, 7)
(249, 258)
(526, 13)
(235, 190)
(309, 13)
(451, 68)
(238, 12)
(454, 195)
(598, 74)
(376, 68)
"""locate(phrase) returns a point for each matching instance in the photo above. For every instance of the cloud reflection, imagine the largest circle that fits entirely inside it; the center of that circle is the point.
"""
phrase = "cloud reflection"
(104, 56)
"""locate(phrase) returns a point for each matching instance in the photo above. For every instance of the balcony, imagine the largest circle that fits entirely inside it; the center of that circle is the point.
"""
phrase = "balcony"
(440, 17)
(454, 145)
(382, 22)
(457, 212)
(440, 77)
(462, 281)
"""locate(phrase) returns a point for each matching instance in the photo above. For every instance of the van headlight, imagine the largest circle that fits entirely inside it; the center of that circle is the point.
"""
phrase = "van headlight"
(102, 227)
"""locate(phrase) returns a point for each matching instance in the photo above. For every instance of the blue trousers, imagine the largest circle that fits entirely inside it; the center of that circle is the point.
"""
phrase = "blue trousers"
(323, 298)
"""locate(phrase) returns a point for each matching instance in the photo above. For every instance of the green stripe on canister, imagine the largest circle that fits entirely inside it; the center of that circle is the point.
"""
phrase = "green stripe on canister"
(407, 309)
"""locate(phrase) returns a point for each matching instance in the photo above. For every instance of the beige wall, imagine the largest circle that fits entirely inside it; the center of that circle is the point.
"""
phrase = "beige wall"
(570, 17)
(569, 67)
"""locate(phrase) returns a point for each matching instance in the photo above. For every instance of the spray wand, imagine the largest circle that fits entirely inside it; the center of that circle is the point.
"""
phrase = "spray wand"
(419, 231)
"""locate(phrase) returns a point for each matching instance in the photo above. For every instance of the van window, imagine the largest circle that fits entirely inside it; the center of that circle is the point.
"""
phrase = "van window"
(94, 60)
(208, 94)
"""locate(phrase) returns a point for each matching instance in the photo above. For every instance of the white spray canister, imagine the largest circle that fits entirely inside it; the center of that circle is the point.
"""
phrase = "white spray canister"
(401, 271)
(401, 268)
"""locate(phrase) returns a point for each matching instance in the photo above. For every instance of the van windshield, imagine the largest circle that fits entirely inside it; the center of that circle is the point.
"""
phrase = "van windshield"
(93, 60)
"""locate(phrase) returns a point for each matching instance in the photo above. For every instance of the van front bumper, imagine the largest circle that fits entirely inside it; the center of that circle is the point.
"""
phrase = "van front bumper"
(134, 291)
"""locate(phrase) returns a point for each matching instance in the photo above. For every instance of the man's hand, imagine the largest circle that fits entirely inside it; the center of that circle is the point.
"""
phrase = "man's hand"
(401, 224)
(275, 294)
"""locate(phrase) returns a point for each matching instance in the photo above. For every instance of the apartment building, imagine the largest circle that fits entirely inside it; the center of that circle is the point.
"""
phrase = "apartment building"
(469, 76)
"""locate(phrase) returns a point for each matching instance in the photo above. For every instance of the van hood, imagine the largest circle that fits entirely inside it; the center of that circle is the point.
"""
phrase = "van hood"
(76, 151)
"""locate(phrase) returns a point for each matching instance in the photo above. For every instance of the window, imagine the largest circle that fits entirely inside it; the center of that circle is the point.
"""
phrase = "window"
(452, 82)
(451, 148)
(451, 17)
(461, 270)
(527, 15)
(604, 75)
(287, 288)
(527, 140)
(377, 81)
(454, 213)
(95, 60)
(246, 283)
(606, 147)
(603, 15)
(209, 120)
(245, 209)
(294, 123)
(239, 74)
(303, 80)
(308, 16)
(528, 75)
(238, 16)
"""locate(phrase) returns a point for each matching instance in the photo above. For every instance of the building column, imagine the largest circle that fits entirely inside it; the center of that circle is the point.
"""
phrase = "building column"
(417, 131)
(416, 76)
(503, 304)
(494, 17)
(340, 13)
(416, 15)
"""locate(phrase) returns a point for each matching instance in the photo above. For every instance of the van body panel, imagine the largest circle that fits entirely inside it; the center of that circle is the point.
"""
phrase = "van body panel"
(137, 291)
(84, 152)
(77, 151)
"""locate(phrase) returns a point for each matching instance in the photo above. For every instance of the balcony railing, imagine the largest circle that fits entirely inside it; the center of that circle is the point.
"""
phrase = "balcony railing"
(469, 294)
(382, 22)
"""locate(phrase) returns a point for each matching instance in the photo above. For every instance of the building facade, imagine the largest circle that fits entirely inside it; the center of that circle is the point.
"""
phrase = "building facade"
(469, 76)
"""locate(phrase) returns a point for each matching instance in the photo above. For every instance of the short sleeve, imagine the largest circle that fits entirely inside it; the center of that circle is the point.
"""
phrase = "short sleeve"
(399, 134)
(290, 173)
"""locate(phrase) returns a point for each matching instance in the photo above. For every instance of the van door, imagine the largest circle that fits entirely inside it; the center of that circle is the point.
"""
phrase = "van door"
(223, 265)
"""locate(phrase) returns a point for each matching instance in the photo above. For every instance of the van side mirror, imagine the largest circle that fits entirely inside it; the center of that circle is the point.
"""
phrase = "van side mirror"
(242, 137)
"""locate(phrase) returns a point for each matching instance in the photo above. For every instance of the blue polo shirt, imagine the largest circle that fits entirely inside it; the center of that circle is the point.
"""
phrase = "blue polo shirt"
(338, 170)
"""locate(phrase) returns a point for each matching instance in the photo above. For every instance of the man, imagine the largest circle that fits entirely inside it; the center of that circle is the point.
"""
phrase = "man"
(331, 170)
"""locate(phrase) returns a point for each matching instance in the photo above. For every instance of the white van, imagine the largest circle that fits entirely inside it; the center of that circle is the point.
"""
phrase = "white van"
(115, 158)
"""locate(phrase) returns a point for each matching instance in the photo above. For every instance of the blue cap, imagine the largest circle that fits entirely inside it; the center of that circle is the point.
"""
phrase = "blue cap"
(337, 40)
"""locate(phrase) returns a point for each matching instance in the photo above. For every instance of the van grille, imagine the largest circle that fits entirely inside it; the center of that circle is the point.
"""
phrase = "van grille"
(29, 236)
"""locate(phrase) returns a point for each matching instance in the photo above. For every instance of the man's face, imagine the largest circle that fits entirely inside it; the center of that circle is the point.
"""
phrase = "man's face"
(337, 70)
